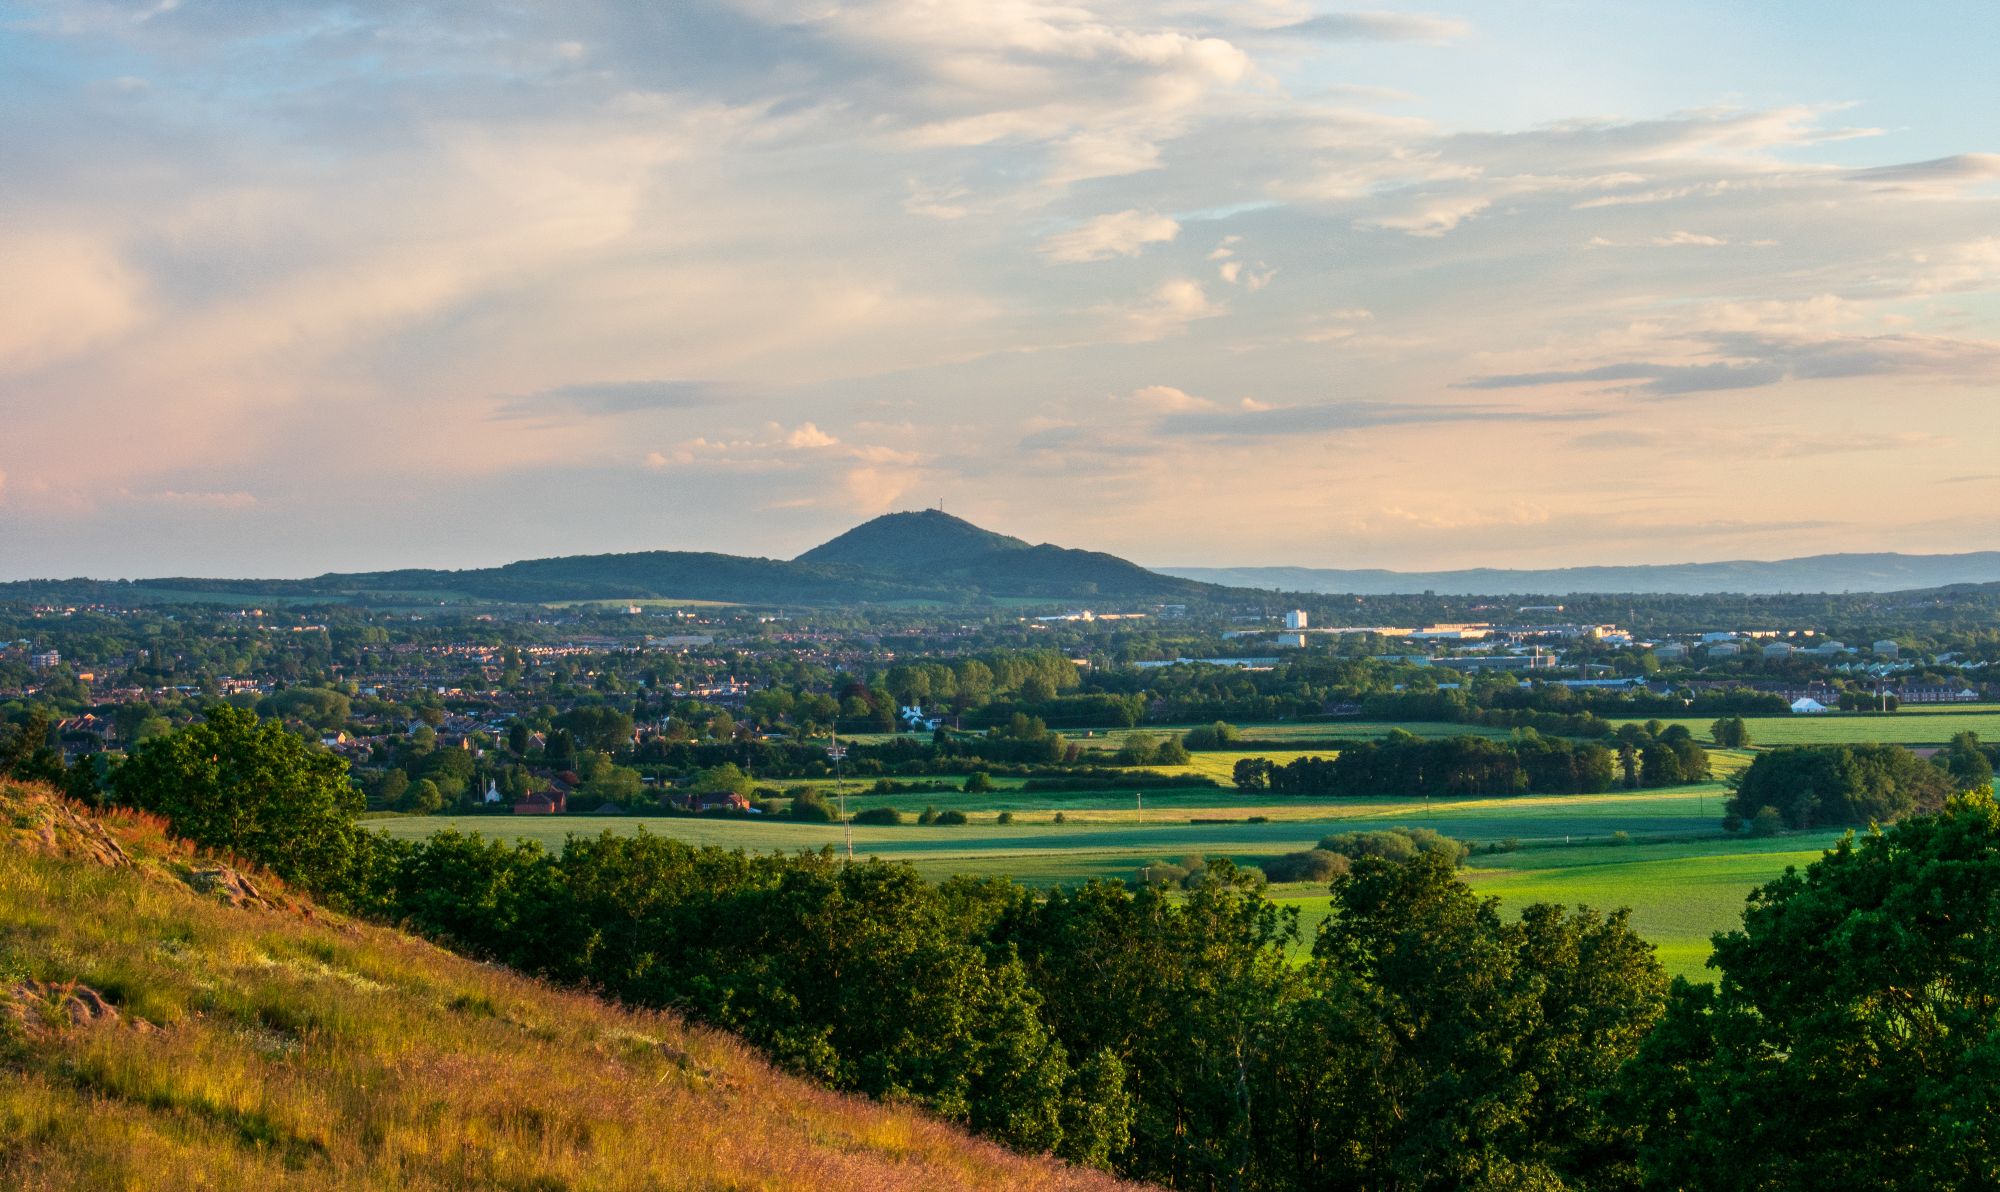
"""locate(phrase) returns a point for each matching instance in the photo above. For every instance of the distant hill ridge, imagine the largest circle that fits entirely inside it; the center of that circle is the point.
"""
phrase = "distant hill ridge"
(934, 557)
(898, 557)
(1850, 572)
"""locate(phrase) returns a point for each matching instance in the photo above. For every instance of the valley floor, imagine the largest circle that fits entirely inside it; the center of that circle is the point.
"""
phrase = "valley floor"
(1683, 879)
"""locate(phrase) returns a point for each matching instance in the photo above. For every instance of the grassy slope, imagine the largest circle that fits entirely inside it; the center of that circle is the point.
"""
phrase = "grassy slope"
(280, 1047)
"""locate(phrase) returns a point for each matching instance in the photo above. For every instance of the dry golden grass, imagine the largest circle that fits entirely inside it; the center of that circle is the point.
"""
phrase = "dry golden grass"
(285, 1048)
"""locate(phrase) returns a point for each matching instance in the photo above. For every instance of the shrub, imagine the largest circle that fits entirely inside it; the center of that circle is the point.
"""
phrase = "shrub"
(812, 810)
(1389, 846)
(1061, 818)
(1005, 817)
(1312, 865)
(879, 815)
(1766, 822)
(950, 817)
(978, 782)
(1161, 873)
(928, 817)
(1212, 736)
(1396, 844)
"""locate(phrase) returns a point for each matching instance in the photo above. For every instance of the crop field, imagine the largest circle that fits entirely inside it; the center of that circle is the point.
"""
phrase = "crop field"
(1112, 834)
(1928, 726)
(1680, 893)
(1682, 881)
(1292, 730)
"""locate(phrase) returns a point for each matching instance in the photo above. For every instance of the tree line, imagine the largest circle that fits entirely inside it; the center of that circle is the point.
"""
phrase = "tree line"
(1406, 764)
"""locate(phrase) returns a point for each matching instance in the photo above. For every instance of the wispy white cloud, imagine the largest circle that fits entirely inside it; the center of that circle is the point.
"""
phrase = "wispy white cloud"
(1120, 234)
(810, 261)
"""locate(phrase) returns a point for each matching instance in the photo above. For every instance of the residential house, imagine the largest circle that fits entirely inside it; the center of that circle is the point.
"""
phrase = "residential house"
(554, 802)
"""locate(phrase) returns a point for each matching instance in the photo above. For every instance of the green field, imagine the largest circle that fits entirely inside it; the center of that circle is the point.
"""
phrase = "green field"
(1680, 894)
(1928, 726)
(1682, 879)
(1657, 852)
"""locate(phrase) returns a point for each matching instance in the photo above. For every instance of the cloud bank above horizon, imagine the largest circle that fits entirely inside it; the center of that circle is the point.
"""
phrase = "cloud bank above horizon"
(295, 286)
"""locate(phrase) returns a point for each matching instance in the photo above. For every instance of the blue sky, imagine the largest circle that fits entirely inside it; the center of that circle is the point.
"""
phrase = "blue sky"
(298, 286)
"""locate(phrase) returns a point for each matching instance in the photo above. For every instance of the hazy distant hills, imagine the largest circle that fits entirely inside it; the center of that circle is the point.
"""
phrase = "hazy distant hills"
(933, 556)
(1813, 573)
(927, 555)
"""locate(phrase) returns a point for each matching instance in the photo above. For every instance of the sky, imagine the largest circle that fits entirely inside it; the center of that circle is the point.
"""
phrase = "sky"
(289, 287)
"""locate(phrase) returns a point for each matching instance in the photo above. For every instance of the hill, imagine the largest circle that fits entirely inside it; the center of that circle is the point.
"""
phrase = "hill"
(1881, 572)
(168, 1022)
(913, 541)
(934, 548)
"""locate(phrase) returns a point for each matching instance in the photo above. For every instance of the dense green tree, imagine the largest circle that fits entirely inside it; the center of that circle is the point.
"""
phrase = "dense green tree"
(314, 707)
(1838, 785)
(28, 752)
(1466, 1046)
(233, 782)
(1851, 1040)
(1967, 763)
(1251, 774)
(727, 778)
(423, 797)
(1730, 732)
(596, 727)
(1219, 735)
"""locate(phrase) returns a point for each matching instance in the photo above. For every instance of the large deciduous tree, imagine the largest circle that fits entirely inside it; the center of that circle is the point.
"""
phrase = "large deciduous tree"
(1854, 1039)
(237, 783)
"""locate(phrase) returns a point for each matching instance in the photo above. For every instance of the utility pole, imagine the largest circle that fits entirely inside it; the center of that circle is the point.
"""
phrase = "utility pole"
(835, 752)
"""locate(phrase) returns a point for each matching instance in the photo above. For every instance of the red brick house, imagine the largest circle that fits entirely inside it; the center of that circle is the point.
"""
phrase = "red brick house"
(543, 803)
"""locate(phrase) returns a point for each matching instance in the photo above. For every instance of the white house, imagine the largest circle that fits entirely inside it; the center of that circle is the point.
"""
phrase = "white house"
(1807, 706)
(1296, 619)
(915, 720)
(492, 792)
(1886, 649)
